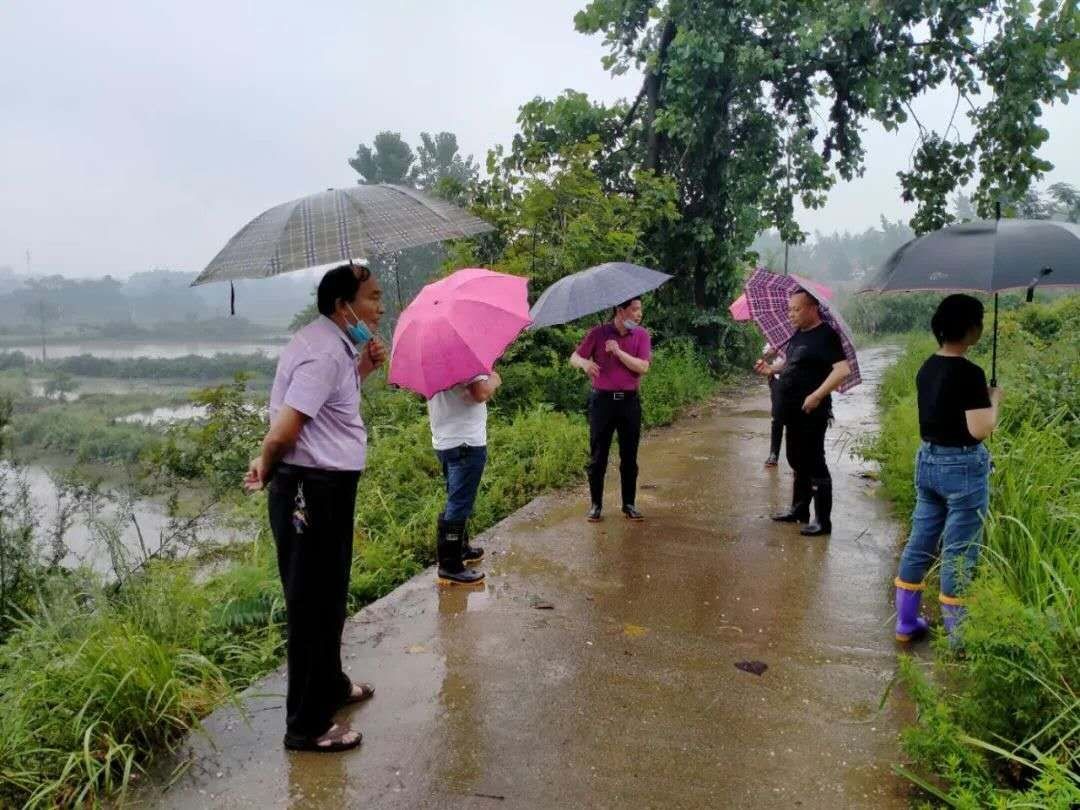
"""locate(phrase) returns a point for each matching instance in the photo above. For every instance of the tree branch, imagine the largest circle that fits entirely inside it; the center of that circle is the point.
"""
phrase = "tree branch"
(653, 82)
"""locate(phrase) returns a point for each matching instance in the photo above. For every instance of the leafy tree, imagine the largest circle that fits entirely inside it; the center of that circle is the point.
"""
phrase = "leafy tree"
(1067, 199)
(1033, 206)
(59, 385)
(736, 92)
(440, 166)
(963, 210)
(556, 221)
(1060, 201)
(390, 161)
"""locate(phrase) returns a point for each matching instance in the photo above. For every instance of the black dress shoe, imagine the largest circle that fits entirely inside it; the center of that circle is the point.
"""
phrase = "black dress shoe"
(593, 515)
(816, 529)
(772, 460)
(631, 513)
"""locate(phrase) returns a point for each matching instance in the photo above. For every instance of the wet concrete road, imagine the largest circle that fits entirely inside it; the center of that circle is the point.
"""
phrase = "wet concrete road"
(596, 668)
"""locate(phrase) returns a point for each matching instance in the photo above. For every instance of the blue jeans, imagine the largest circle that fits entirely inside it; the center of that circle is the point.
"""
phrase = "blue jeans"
(953, 491)
(462, 468)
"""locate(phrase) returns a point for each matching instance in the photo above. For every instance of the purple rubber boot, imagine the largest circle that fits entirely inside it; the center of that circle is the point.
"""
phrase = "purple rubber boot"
(909, 624)
(952, 615)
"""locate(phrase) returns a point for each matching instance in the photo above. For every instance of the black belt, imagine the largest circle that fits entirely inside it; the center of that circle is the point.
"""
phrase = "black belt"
(315, 473)
(616, 395)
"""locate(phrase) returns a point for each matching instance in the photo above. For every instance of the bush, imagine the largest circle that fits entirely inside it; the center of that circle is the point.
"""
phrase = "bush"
(13, 360)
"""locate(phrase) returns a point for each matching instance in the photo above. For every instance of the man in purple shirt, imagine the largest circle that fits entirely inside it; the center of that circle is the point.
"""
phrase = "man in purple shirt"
(311, 460)
(615, 355)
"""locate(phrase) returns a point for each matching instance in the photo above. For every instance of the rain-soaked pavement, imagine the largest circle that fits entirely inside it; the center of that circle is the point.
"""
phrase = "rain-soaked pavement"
(596, 668)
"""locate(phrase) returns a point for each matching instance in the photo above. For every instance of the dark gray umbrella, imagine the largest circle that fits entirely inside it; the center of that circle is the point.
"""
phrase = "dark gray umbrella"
(986, 256)
(337, 225)
(593, 290)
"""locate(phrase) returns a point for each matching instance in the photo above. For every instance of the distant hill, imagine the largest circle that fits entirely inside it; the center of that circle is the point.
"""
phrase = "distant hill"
(147, 300)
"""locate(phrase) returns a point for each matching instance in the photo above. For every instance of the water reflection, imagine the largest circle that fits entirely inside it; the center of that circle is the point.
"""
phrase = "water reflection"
(464, 752)
(166, 414)
(145, 517)
(317, 780)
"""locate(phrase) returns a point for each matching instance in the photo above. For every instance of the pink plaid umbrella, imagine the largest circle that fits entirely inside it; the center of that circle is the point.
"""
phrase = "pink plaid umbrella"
(740, 307)
(767, 296)
(456, 329)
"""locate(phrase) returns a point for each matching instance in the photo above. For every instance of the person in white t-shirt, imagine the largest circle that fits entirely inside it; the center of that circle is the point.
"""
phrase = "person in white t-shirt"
(458, 419)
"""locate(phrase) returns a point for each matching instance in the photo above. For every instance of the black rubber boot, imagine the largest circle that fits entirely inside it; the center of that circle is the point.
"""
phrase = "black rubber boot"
(448, 549)
(469, 552)
(799, 512)
(822, 509)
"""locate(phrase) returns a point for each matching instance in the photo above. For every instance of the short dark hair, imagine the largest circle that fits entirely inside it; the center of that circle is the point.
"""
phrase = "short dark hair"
(955, 317)
(807, 293)
(340, 284)
(625, 304)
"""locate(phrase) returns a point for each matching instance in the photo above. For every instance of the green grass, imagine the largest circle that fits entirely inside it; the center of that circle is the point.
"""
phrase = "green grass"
(97, 684)
(1001, 724)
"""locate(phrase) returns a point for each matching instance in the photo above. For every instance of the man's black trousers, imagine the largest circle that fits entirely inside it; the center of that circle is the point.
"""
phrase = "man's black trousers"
(806, 449)
(613, 413)
(314, 551)
(776, 431)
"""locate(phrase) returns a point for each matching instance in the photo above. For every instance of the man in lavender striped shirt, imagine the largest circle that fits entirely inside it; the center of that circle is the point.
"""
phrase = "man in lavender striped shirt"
(311, 461)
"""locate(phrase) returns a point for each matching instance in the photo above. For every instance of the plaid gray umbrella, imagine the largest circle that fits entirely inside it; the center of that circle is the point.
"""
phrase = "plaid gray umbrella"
(338, 225)
(593, 290)
(767, 294)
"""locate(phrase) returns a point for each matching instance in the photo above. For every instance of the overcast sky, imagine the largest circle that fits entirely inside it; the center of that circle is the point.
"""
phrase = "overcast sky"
(143, 134)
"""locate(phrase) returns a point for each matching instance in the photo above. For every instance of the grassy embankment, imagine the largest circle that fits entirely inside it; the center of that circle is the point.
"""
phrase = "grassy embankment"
(97, 683)
(999, 726)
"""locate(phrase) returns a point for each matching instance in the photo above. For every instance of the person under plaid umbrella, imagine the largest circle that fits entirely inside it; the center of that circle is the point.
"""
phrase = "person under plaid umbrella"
(815, 364)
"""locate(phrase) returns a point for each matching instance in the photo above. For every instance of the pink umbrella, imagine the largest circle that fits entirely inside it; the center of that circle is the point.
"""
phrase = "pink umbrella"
(456, 329)
(740, 307)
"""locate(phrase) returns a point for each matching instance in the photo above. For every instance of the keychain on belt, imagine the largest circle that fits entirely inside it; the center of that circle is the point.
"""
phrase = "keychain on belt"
(299, 515)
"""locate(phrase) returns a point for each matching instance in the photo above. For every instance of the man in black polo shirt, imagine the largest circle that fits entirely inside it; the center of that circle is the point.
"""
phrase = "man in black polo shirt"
(814, 366)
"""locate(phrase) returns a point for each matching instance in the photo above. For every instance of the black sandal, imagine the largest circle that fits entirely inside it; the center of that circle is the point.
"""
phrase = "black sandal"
(334, 740)
(359, 692)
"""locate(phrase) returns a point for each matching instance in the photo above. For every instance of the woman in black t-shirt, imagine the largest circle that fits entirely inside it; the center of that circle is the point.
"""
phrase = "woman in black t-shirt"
(952, 469)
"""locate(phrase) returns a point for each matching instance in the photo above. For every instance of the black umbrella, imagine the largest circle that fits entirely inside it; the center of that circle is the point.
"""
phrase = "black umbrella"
(986, 256)
(588, 291)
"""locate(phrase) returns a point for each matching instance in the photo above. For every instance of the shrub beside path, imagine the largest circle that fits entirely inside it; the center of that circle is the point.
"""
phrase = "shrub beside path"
(597, 668)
